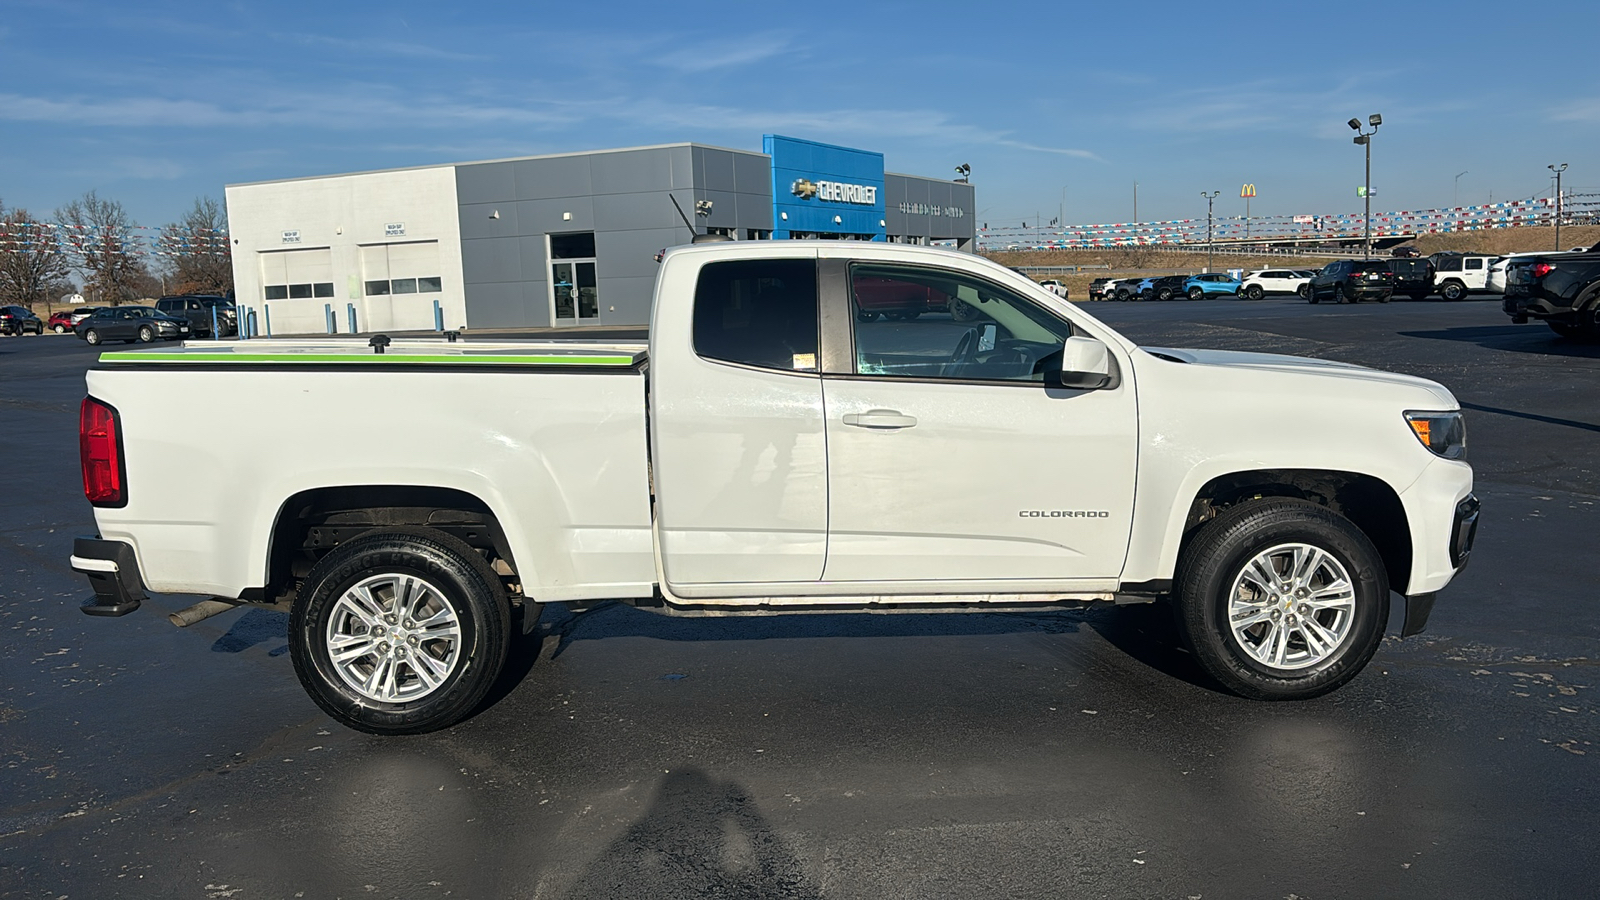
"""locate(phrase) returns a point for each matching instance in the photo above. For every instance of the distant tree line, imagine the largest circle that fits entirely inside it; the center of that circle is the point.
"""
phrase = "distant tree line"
(92, 242)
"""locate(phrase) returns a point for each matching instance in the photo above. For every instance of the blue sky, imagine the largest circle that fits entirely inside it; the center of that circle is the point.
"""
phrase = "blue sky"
(156, 103)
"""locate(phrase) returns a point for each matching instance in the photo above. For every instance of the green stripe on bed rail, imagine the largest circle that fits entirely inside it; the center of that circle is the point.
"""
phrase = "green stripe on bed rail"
(359, 359)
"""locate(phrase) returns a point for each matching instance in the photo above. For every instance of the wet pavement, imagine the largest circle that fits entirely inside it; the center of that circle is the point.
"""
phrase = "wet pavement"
(1055, 754)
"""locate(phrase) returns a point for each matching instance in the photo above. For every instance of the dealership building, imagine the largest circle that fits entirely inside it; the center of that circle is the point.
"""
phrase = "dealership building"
(565, 240)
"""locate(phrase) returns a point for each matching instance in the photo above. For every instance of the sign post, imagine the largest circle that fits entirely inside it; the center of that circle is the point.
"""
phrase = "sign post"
(1247, 192)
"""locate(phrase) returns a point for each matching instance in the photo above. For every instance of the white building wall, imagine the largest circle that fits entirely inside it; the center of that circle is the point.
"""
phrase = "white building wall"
(349, 215)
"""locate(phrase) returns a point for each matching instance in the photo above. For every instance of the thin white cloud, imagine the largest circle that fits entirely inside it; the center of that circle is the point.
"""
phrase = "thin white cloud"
(701, 56)
(1581, 111)
(1063, 151)
(381, 47)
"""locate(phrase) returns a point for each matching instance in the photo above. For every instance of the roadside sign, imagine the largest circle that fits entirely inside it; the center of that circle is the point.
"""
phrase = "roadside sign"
(1248, 190)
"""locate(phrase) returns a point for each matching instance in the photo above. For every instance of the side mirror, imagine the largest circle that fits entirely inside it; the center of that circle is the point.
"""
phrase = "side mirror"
(1085, 364)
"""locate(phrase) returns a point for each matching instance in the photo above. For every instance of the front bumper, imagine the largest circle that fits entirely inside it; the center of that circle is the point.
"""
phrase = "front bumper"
(113, 573)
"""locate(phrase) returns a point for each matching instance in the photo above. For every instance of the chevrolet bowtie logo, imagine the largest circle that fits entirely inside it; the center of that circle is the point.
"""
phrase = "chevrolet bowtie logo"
(803, 188)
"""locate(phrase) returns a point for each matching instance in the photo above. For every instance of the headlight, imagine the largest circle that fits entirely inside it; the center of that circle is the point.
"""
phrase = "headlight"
(1445, 433)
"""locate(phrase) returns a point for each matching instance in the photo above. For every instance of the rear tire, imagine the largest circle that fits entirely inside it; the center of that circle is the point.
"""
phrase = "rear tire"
(1254, 292)
(1282, 599)
(1343, 293)
(1452, 290)
(386, 600)
(61, 329)
(92, 337)
(1196, 293)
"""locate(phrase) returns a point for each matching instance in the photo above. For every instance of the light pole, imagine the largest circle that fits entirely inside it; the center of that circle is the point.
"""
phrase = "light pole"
(1558, 202)
(1456, 197)
(1210, 198)
(1365, 137)
(1061, 209)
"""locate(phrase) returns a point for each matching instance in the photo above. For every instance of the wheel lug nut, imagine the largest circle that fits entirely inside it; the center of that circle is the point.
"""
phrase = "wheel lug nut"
(384, 646)
(412, 640)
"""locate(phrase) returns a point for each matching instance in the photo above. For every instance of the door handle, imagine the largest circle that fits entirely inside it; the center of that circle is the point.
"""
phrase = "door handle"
(880, 418)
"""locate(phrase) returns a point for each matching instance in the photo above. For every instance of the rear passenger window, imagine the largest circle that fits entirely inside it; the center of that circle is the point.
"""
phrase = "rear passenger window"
(1450, 264)
(760, 312)
(1474, 263)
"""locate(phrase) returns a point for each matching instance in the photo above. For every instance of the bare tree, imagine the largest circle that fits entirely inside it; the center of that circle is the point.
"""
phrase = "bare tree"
(100, 235)
(195, 252)
(33, 267)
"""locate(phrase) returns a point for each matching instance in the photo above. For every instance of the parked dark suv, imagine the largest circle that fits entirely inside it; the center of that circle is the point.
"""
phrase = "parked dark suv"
(1353, 280)
(1412, 277)
(19, 320)
(197, 309)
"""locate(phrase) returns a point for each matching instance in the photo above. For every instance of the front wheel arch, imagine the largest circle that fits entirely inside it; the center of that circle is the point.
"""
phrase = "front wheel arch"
(1369, 502)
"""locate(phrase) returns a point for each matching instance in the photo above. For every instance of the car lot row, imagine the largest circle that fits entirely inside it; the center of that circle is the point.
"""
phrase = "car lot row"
(171, 318)
(1449, 275)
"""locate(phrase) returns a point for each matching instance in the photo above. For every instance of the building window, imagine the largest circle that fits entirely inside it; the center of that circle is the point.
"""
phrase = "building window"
(576, 245)
(432, 285)
(298, 291)
(377, 288)
(403, 286)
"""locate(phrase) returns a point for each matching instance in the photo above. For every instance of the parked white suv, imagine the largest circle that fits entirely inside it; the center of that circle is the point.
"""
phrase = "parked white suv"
(1274, 281)
(1460, 274)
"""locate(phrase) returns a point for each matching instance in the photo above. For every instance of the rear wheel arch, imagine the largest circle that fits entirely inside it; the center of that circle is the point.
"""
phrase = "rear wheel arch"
(1368, 502)
(313, 522)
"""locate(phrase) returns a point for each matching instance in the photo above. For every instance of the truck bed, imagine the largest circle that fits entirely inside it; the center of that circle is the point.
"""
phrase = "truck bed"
(220, 437)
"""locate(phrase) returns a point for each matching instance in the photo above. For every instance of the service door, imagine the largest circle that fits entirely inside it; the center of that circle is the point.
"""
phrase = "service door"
(741, 461)
(948, 457)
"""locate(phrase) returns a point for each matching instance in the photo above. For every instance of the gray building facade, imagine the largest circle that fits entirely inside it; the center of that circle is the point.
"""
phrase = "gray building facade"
(565, 239)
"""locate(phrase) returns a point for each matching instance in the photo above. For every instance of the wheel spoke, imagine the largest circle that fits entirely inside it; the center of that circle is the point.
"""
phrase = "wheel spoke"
(1319, 639)
(1249, 617)
(1260, 573)
(347, 648)
(1307, 560)
(1340, 594)
(1280, 644)
(432, 670)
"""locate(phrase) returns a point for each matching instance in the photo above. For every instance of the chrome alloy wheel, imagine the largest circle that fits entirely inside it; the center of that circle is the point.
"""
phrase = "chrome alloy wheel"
(1292, 606)
(394, 638)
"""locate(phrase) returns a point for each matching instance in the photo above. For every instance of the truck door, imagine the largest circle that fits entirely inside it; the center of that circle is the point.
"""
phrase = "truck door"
(950, 460)
(738, 442)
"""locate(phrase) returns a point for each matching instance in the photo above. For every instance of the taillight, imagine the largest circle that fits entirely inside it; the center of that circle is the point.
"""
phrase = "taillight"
(100, 452)
(1541, 269)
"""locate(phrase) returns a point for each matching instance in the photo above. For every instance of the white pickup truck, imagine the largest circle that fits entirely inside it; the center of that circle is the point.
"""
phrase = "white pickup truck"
(771, 450)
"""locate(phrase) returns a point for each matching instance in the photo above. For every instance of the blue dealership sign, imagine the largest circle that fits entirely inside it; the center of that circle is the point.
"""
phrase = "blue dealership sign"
(824, 189)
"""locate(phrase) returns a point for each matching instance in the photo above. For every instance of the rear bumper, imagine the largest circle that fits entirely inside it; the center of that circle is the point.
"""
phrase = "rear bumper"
(113, 574)
(1525, 306)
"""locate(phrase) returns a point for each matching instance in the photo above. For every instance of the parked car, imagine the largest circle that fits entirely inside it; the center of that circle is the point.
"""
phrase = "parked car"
(894, 299)
(60, 322)
(1165, 288)
(1459, 274)
(1054, 287)
(1273, 281)
(1412, 277)
(1405, 251)
(198, 309)
(1495, 281)
(1122, 288)
(1278, 502)
(19, 320)
(1352, 280)
(132, 323)
(1097, 288)
(1560, 289)
(83, 312)
(1211, 284)
(1139, 288)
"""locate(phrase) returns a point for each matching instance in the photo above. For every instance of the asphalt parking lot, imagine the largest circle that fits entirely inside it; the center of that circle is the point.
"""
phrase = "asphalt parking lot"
(1055, 754)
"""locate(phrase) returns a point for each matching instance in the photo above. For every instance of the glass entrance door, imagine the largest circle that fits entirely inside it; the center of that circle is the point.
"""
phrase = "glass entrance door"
(574, 290)
(577, 295)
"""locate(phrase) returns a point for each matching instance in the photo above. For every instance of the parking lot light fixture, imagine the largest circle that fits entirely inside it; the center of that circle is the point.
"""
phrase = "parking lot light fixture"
(1210, 199)
(1558, 172)
(1365, 138)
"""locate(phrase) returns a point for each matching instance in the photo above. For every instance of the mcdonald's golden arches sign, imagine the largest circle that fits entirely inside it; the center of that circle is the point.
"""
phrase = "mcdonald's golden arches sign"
(1248, 190)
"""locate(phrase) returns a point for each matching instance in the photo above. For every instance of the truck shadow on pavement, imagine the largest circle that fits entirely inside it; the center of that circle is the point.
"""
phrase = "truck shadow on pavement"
(699, 838)
(1514, 338)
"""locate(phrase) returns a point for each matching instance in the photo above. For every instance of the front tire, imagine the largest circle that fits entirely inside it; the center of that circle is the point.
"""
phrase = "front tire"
(1282, 599)
(146, 334)
(400, 631)
(1304, 291)
(61, 329)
